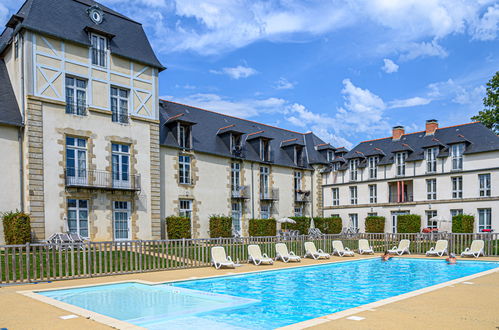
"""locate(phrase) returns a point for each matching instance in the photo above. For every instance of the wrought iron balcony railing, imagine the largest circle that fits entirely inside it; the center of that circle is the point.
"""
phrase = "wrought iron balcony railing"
(241, 192)
(93, 179)
(269, 195)
(302, 196)
(405, 199)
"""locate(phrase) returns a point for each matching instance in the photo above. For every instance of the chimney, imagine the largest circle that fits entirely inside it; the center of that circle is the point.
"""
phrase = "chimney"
(397, 132)
(431, 126)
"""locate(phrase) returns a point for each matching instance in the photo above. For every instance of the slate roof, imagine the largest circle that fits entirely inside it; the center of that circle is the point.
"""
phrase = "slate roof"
(476, 137)
(206, 137)
(9, 109)
(68, 19)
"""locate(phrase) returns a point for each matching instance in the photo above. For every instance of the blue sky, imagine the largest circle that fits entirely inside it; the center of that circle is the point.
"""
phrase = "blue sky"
(347, 70)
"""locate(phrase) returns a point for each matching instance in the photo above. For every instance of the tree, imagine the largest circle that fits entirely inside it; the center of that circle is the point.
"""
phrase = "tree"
(490, 115)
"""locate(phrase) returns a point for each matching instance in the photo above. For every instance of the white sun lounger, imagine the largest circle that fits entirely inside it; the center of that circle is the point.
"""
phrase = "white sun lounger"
(282, 253)
(475, 250)
(364, 247)
(220, 259)
(256, 256)
(340, 250)
(312, 252)
(439, 249)
(402, 248)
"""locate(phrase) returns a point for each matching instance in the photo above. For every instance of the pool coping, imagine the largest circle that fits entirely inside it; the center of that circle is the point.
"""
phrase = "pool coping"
(115, 323)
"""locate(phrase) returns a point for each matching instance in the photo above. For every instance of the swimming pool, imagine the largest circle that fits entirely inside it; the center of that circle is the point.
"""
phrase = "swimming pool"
(265, 300)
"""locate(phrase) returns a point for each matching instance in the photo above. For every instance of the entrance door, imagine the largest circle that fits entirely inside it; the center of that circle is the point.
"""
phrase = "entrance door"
(121, 219)
(236, 217)
(394, 219)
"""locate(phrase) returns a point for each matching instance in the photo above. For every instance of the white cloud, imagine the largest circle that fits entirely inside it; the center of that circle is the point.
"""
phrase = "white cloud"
(236, 72)
(389, 66)
(486, 28)
(410, 102)
(423, 49)
(456, 92)
(283, 83)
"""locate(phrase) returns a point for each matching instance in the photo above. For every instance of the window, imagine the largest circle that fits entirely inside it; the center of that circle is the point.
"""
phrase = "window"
(184, 136)
(372, 214)
(119, 105)
(235, 176)
(431, 223)
(400, 161)
(353, 195)
(265, 211)
(457, 187)
(431, 189)
(299, 156)
(236, 143)
(373, 167)
(121, 219)
(264, 181)
(99, 49)
(265, 150)
(354, 164)
(484, 183)
(185, 208)
(76, 96)
(76, 160)
(373, 194)
(336, 167)
(330, 155)
(457, 156)
(354, 221)
(336, 196)
(298, 211)
(236, 217)
(184, 169)
(455, 212)
(78, 216)
(121, 165)
(484, 219)
(431, 160)
(297, 181)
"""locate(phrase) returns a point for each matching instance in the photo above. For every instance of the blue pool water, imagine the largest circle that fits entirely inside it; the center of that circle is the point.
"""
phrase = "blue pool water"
(265, 300)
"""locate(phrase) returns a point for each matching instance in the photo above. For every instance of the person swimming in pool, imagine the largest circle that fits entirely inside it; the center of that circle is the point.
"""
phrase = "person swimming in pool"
(451, 260)
(386, 256)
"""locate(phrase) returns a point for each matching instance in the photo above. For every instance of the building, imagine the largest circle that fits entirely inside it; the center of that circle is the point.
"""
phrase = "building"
(439, 172)
(217, 164)
(79, 133)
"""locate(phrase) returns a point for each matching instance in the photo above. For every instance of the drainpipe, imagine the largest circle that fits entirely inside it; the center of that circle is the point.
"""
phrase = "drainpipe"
(21, 129)
(252, 192)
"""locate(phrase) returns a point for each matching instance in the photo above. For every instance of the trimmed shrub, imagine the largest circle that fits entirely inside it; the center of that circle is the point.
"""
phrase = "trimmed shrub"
(178, 227)
(375, 224)
(463, 223)
(302, 225)
(220, 226)
(332, 225)
(408, 223)
(16, 228)
(262, 227)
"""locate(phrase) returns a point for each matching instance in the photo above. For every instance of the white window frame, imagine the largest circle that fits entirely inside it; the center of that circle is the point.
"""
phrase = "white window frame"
(431, 189)
(297, 182)
(185, 208)
(400, 158)
(76, 103)
(121, 209)
(454, 212)
(354, 221)
(484, 184)
(235, 177)
(354, 166)
(184, 169)
(298, 211)
(81, 206)
(431, 160)
(98, 50)
(184, 136)
(265, 150)
(457, 187)
(373, 193)
(457, 156)
(120, 158)
(236, 214)
(430, 223)
(373, 167)
(119, 104)
(264, 181)
(484, 219)
(78, 173)
(330, 155)
(336, 196)
(265, 211)
(353, 195)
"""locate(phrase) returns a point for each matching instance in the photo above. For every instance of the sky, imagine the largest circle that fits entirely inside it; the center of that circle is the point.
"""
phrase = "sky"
(347, 70)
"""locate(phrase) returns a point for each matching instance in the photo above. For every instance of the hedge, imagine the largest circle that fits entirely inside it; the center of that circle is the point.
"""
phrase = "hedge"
(408, 223)
(178, 227)
(375, 224)
(16, 228)
(463, 223)
(331, 225)
(262, 227)
(220, 226)
(302, 225)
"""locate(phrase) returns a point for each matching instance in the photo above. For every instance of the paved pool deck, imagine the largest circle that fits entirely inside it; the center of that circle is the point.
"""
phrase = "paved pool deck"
(472, 304)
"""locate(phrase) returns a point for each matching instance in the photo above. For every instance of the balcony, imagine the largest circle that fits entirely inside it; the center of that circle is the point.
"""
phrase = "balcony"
(269, 195)
(241, 192)
(406, 199)
(400, 192)
(302, 196)
(93, 179)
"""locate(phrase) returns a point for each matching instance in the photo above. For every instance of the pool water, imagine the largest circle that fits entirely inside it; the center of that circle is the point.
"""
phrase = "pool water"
(265, 300)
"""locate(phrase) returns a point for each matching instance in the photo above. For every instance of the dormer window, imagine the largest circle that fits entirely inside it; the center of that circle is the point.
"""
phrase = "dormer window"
(400, 161)
(336, 166)
(99, 50)
(354, 164)
(373, 167)
(330, 156)
(457, 156)
(235, 143)
(298, 156)
(431, 160)
(184, 136)
(265, 150)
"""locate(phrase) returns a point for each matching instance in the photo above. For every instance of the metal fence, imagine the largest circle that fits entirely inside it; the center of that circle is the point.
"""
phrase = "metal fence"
(48, 262)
